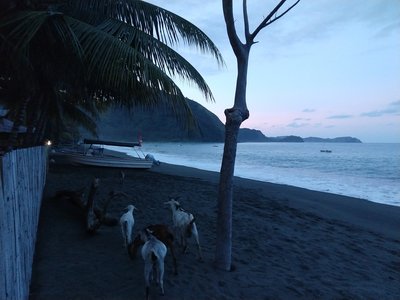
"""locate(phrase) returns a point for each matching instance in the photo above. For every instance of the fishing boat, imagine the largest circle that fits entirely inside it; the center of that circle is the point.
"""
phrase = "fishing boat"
(93, 153)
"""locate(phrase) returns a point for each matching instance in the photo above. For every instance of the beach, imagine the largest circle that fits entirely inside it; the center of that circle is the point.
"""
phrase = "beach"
(288, 242)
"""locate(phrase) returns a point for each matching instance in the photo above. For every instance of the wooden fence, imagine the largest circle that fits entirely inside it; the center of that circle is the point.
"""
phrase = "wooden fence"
(22, 179)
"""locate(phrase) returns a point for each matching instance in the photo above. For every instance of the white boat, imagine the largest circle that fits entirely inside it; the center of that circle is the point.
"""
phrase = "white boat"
(91, 155)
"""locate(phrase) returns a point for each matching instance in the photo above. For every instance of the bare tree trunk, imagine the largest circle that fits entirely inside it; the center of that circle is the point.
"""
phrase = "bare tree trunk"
(234, 118)
(223, 252)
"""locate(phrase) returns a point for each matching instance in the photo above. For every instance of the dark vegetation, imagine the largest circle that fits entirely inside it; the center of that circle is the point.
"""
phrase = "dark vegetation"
(63, 63)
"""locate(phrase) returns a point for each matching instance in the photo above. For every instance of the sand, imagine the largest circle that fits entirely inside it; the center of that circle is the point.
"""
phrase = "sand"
(288, 242)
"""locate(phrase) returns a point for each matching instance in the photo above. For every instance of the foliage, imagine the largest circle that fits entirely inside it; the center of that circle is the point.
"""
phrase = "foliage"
(74, 59)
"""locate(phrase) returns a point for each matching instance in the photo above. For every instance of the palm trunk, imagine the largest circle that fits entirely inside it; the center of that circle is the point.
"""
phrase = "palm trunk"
(32, 121)
(12, 141)
(41, 126)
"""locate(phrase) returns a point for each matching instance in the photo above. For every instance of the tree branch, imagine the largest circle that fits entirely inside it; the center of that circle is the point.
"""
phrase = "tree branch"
(246, 23)
(95, 215)
(230, 27)
(282, 14)
(267, 21)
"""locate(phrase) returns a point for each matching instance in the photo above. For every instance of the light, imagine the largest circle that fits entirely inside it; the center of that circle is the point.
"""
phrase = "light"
(48, 143)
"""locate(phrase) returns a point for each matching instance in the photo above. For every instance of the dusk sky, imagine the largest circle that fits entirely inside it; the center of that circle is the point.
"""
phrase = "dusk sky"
(328, 68)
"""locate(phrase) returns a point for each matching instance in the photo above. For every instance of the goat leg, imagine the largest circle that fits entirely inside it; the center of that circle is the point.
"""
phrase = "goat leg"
(200, 255)
(161, 276)
(184, 244)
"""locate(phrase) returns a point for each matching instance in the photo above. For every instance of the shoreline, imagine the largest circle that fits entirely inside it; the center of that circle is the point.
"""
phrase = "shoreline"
(292, 185)
(384, 218)
(288, 242)
(309, 173)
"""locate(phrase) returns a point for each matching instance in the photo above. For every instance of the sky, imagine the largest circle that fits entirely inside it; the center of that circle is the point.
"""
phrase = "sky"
(328, 68)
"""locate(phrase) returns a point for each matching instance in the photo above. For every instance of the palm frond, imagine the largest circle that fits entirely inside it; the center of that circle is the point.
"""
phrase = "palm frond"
(79, 116)
(164, 57)
(151, 19)
(21, 27)
(81, 56)
(117, 66)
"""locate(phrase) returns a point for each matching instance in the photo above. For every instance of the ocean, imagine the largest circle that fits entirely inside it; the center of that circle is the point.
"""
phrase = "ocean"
(368, 171)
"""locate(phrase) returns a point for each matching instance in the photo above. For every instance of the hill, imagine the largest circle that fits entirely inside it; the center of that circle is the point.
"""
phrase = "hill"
(251, 135)
(286, 139)
(161, 125)
(344, 139)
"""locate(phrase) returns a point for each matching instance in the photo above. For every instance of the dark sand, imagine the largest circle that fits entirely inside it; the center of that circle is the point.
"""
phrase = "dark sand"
(288, 243)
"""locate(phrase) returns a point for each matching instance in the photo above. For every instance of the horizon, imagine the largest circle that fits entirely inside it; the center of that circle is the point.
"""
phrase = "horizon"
(332, 68)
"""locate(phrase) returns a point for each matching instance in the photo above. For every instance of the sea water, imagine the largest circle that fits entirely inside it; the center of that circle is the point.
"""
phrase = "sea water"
(364, 170)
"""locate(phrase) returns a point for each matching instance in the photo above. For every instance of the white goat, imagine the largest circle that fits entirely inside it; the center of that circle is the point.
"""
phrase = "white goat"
(184, 225)
(127, 222)
(153, 254)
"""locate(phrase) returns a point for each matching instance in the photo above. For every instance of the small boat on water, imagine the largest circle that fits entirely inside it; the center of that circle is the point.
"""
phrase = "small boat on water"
(92, 153)
(326, 151)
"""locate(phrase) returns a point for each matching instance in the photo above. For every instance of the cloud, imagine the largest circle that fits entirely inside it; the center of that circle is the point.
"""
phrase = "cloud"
(340, 117)
(302, 119)
(297, 125)
(328, 21)
(395, 103)
(388, 29)
(308, 110)
(393, 108)
(379, 113)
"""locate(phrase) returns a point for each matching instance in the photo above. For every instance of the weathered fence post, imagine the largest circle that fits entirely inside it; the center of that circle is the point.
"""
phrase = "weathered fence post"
(22, 179)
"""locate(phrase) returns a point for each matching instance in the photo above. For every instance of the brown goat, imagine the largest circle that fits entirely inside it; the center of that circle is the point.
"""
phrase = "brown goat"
(161, 232)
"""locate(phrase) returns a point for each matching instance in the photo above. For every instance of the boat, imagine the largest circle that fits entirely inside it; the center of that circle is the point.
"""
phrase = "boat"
(92, 153)
(326, 151)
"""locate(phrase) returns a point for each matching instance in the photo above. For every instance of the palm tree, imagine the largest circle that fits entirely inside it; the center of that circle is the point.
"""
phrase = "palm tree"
(70, 59)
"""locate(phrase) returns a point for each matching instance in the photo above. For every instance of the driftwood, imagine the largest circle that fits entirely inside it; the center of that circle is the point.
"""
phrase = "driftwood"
(75, 197)
(92, 222)
(94, 215)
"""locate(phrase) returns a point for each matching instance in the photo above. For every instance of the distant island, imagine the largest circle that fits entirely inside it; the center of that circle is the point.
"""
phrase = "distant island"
(344, 139)
(162, 125)
(253, 135)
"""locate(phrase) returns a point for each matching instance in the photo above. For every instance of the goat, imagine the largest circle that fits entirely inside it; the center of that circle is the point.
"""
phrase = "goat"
(161, 232)
(127, 222)
(184, 223)
(153, 254)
